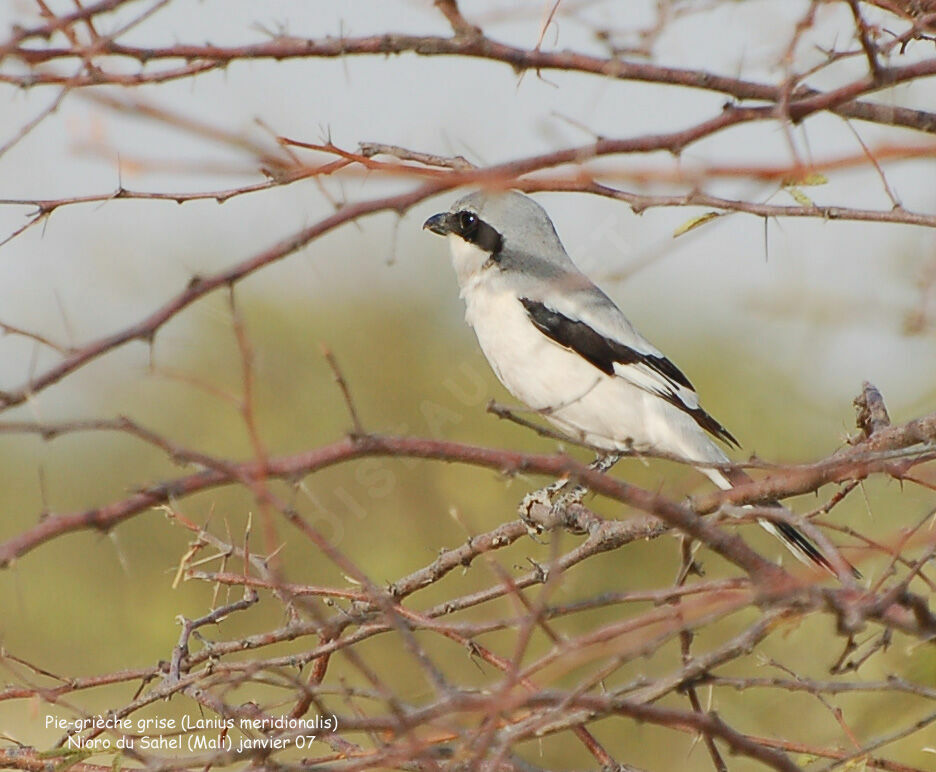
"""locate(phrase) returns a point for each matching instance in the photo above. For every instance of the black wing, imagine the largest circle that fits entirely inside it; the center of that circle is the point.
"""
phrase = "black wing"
(604, 353)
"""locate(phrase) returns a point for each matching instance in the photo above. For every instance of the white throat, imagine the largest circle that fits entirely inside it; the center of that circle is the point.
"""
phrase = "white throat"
(467, 260)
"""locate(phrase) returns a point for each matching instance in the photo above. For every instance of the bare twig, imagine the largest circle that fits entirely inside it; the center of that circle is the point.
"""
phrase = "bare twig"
(356, 425)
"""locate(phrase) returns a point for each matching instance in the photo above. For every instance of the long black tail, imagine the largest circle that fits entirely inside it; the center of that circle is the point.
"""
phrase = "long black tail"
(801, 546)
(795, 541)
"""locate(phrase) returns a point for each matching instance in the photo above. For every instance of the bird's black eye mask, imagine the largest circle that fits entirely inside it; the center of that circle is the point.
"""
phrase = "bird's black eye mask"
(475, 231)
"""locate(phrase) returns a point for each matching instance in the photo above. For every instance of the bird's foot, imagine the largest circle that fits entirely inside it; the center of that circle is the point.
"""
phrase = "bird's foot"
(562, 503)
(605, 461)
(548, 507)
(536, 510)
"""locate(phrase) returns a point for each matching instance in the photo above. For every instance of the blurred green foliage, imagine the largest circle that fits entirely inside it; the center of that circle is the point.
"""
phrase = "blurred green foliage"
(92, 603)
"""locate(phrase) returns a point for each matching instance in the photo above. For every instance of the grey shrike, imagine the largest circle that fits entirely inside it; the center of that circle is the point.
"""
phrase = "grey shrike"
(562, 346)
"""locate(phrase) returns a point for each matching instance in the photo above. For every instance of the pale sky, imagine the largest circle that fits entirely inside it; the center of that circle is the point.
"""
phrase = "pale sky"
(826, 300)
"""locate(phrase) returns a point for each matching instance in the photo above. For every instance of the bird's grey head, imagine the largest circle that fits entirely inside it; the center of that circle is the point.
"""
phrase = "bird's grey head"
(506, 226)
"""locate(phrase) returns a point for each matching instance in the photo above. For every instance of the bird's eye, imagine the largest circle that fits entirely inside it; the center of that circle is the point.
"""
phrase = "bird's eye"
(467, 222)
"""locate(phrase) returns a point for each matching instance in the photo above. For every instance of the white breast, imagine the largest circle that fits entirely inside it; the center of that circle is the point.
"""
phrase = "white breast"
(604, 410)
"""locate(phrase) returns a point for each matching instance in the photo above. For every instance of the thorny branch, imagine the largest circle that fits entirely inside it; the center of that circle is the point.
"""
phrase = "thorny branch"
(548, 656)
(902, 611)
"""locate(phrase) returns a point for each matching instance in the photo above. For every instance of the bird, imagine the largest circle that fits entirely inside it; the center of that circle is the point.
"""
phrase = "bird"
(561, 346)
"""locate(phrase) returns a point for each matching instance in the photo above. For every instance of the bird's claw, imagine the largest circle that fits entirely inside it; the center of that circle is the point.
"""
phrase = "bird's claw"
(534, 509)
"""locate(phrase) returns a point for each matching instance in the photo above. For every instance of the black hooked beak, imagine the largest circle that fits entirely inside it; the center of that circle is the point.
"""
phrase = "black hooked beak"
(439, 223)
